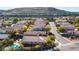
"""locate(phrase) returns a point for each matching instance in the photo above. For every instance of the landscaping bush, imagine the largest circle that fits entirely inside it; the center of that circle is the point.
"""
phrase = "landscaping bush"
(60, 29)
(15, 20)
(77, 26)
(47, 27)
(50, 38)
(71, 21)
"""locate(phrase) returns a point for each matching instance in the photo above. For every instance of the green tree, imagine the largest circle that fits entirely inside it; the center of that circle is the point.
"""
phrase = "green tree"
(52, 19)
(47, 27)
(60, 29)
(77, 26)
(24, 27)
(15, 20)
(50, 38)
(77, 19)
(37, 46)
(71, 21)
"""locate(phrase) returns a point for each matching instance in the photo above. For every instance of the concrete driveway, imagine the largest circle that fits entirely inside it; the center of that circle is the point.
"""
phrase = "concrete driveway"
(61, 39)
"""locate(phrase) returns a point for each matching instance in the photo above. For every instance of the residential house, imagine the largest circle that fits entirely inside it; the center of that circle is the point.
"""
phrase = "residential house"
(3, 36)
(33, 40)
(35, 33)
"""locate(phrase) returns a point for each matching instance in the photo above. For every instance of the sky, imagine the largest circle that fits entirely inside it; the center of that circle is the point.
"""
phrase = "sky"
(67, 5)
(72, 9)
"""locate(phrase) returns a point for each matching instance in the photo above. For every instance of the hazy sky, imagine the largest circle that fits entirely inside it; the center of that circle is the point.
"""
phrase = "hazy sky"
(72, 9)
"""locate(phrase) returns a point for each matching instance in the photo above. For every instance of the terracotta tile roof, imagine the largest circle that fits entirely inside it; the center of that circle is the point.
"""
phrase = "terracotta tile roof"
(33, 39)
(35, 33)
(3, 36)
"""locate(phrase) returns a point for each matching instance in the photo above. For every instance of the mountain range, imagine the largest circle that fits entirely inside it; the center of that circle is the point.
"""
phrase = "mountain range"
(44, 11)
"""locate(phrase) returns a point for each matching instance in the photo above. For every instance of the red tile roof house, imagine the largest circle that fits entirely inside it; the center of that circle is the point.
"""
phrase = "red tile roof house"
(2, 31)
(4, 36)
(1, 25)
(37, 28)
(22, 22)
(39, 25)
(35, 33)
(16, 26)
(33, 39)
(40, 22)
(59, 22)
(12, 28)
(68, 27)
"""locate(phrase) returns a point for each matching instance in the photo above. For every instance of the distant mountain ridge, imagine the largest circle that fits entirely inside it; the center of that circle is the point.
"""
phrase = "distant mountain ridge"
(36, 11)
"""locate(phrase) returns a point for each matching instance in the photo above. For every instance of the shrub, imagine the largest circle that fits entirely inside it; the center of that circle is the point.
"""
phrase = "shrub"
(60, 29)
(47, 27)
(15, 20)
(71, 21)
(37, 46)
(77, 26)
(50, 38)
(24, 27)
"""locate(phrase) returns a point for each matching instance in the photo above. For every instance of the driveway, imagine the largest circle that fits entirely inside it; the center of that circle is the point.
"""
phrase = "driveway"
(59, 38)
(65, 44)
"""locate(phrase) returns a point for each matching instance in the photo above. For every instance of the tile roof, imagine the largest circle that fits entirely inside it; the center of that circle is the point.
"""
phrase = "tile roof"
(33, 39)
(35, 33)
(3, 36)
